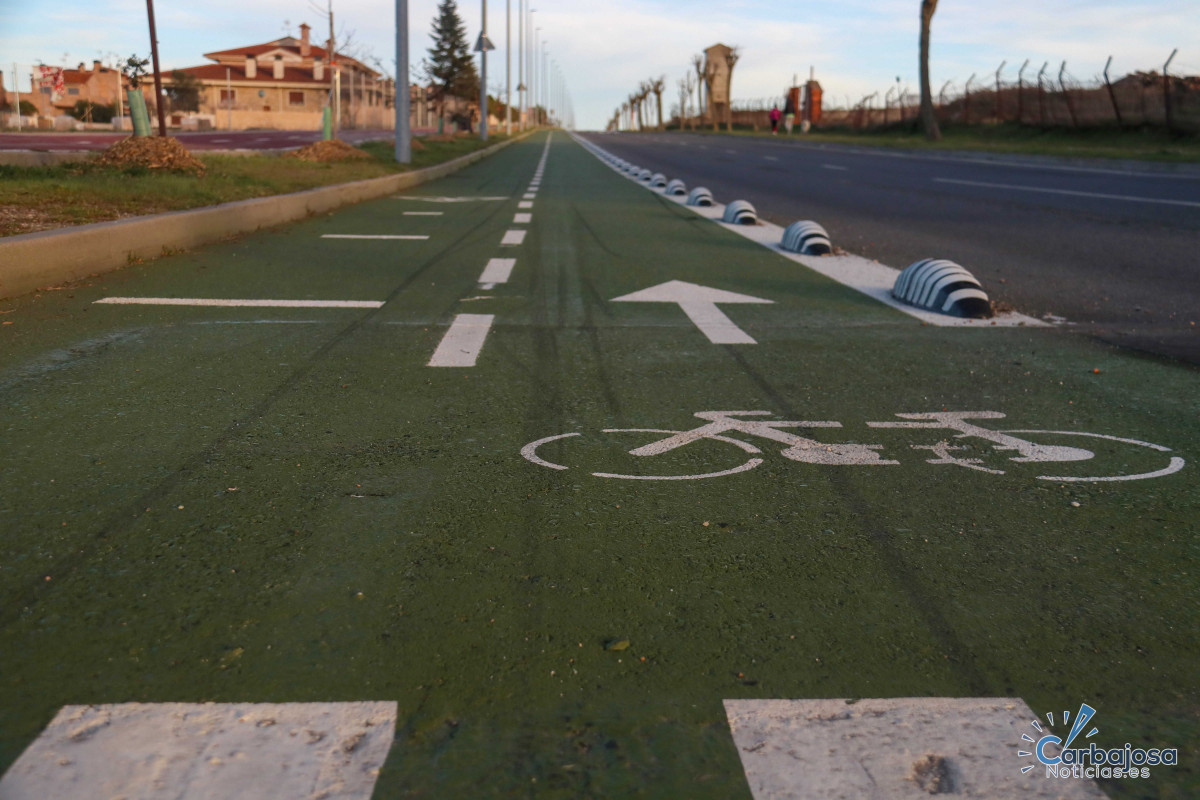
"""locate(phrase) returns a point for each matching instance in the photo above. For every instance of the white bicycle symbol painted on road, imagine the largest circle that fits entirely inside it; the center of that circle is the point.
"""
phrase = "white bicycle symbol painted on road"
(968, 454)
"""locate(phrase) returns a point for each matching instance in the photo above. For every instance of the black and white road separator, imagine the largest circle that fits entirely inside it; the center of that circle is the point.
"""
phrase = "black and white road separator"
(676, 187)
(864, 275)
(806, 237)
(740, 212)
(943, 286)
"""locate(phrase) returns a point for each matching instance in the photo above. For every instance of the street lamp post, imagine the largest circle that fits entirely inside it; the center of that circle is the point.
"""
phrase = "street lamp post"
(403, 145)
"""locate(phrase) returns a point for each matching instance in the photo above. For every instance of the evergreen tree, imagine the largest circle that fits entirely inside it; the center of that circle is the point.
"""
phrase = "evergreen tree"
(450, 66)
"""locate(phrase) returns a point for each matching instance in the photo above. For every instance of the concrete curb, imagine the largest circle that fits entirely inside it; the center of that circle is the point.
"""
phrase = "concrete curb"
(46, 258)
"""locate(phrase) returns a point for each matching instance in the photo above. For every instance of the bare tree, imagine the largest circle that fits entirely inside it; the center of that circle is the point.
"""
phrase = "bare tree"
(928, 121)
(710, 75)
(685, 94)
(643, 93)
(698, 65)
(731, 59)
(657, 85)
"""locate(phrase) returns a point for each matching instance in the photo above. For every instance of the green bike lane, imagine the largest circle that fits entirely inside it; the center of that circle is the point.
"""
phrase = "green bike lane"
(271, 505)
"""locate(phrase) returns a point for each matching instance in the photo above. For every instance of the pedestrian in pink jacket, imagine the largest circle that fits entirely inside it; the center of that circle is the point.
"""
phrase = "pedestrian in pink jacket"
(775, 119)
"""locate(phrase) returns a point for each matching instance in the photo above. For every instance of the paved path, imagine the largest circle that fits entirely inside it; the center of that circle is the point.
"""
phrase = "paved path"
(555, 479)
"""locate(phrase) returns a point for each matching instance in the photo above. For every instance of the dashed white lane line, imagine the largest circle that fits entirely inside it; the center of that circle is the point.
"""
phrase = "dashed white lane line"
(835, 167)
(497, 270)
(770, 158)
(244, 750)
(424, 213)
(1070, 193)
(211, 302)
(461, 345)
(801, 748)
(525, 204)
(358, 236)
(420, 199)
(221, 141)
(522, 219)
(513, 237)
(530, 195)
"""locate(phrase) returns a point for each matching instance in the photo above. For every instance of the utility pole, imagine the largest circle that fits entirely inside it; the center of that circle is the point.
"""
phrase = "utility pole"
(483, 98)
(158, 92)
(508, 67)
(403, 146)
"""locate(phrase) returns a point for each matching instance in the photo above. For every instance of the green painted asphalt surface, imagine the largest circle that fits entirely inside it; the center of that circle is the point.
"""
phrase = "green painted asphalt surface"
(285, 505)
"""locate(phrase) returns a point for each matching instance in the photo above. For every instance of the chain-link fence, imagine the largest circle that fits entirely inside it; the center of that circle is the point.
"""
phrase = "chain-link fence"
(1044, 97)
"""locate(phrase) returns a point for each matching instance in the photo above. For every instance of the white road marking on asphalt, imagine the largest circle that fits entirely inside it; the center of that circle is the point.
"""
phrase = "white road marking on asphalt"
(732, 152)
(424, 213)
(217, 303)
(357, 236)
(522, 219)
(770, 158)
(525, 204)
(1069, 192)
(700, 305)
(513, 237)
(221, 141)
(835, 166)
(244, 750)
(461, 345)
(802, 748)
(497, 270)
(530, 195)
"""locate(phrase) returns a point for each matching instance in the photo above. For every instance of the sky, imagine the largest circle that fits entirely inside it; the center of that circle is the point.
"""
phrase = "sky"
(604, 48)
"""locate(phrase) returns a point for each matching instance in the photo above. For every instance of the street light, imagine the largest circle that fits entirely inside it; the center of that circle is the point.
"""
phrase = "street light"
(403, 145)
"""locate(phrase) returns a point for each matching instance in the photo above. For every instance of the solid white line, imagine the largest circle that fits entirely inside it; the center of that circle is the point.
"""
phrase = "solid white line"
(205, 301)
(461, 345)
(424, 213)
(497, 270)
(251, 751)
(522, 219)
(525, 204)
(356, 236)
(513, 237)
(1097, 195)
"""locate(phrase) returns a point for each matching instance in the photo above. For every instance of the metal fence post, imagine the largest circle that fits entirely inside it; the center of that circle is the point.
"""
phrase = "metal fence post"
(1111, 94)
(1066, 95)
(1167, 90)
(1021, 93)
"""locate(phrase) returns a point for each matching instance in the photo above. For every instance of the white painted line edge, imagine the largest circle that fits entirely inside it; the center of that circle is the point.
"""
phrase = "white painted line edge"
(821, 748)
(1069, 192)
(522, 218)
(498, 270)
(206, 301)
(251, 751)
(525, 204)
(461, 345)
(513, 237)
(424, 213)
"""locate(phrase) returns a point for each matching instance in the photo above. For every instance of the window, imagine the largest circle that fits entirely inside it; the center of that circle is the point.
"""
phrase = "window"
(228, 96)
(295, 98)
(72, 91)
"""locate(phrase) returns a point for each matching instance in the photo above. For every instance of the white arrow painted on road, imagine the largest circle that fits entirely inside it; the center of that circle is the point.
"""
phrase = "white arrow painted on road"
(700, 304)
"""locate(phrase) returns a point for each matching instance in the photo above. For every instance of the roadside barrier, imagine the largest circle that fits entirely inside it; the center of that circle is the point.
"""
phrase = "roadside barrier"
(942, 286)
(806, 238)
(740, 212)
(700, 196)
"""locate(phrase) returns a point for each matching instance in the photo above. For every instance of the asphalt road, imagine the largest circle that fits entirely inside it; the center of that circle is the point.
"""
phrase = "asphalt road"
(194, 140)
(1113, 249)
(387, 455)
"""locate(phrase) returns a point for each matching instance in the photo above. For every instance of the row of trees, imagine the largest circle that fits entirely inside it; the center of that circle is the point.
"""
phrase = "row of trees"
(700, 78)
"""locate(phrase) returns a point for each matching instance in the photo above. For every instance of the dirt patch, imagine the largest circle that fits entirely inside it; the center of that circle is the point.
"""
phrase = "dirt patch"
(20, 219)
(151, 152)
(328, 150)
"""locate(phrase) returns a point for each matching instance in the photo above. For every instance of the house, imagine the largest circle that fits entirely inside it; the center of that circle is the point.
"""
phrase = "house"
(285, 84)
(56, 90)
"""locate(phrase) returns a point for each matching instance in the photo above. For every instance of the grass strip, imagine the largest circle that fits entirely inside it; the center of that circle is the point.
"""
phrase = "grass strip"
(1108, 143)
(43, 198)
